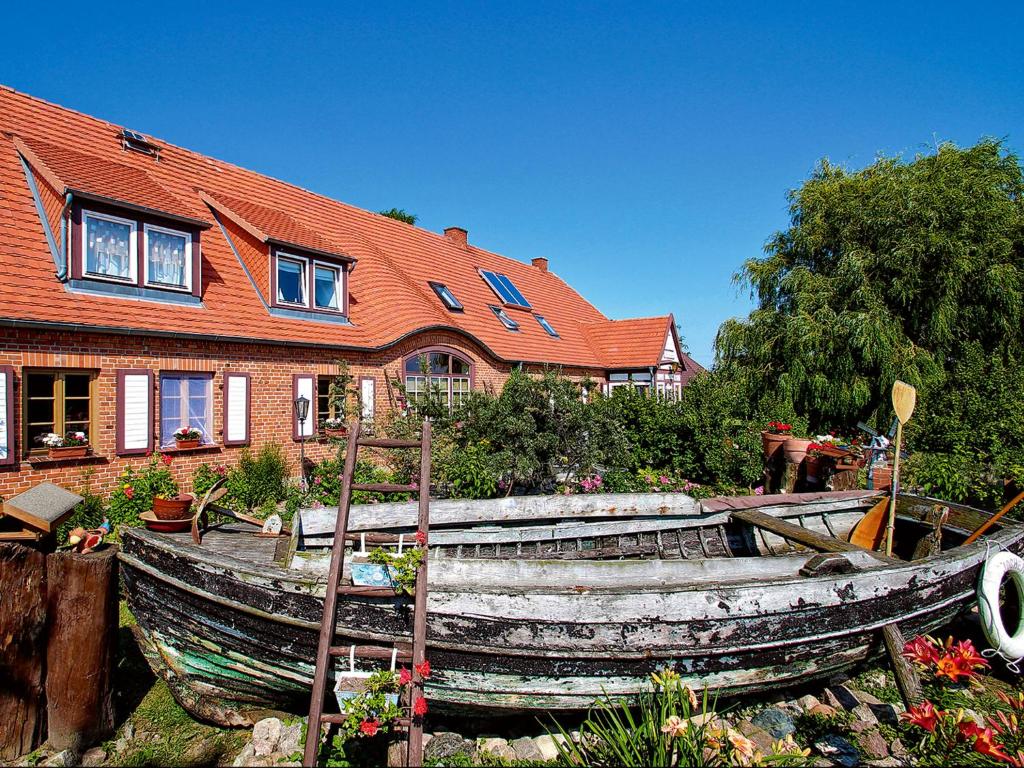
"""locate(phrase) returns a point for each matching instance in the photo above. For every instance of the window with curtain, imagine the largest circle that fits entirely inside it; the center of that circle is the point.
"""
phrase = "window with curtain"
(446, 374)
(168, 257)
(109, 246)
(186, 400)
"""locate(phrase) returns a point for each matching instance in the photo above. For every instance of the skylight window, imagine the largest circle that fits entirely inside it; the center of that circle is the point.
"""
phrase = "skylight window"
(446, 296)
(505, 289)
(547, 326)
(502, 315)
(138, 142)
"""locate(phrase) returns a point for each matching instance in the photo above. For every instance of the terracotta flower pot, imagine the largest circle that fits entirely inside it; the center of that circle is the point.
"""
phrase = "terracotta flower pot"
(772, 443)
(796, 449)
(186, 444)
(814, 467)
(173, 509)
(881, 478)
(335, 431)
(69, 452)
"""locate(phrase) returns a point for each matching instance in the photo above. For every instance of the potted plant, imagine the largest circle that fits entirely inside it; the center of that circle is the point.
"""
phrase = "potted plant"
(772, 438)
(334, 427)
(817, 462)
(795, 449)
(187, 437)
(172, 507)
(73, 445)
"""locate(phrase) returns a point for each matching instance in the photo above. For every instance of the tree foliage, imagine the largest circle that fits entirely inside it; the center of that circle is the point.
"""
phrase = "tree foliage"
(884, 273)
(400, 214)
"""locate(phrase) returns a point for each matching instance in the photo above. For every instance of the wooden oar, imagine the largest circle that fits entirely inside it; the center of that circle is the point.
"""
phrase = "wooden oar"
(869, 529)
(904, 397)
(994, 519)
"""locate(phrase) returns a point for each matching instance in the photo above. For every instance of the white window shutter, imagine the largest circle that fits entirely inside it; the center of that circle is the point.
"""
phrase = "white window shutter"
(134, 411)
(7, 450)
(304, 384)
(237, 405)
(367, 397)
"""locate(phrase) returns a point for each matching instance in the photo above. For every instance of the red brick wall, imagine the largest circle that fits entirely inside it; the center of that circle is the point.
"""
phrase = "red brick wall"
(271, 367)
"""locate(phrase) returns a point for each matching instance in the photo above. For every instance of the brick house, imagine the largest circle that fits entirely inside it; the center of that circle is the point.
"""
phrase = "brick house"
(144, 287)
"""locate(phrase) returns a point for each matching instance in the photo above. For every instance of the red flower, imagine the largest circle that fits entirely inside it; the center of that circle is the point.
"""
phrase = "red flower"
(404, 676)
(369, 727)
(421, 538)
(969, 729)
(968, 654)
(424, 669)
(420, 707)
(984, 745)
(167, 459)
(129, 492)
(925, 715)
(922, 651)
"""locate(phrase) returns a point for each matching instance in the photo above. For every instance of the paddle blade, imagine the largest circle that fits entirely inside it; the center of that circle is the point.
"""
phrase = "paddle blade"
(870, 531)
(904, 397)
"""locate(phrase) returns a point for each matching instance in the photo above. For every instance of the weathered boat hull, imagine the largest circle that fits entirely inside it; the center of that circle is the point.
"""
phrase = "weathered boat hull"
(233, 639)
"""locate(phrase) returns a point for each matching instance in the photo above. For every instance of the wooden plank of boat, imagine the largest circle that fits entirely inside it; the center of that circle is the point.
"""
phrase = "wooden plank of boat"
(798, 533)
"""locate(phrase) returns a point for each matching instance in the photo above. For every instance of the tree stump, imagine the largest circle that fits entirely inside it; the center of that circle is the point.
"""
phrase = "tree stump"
(22, 649)
(82, 648)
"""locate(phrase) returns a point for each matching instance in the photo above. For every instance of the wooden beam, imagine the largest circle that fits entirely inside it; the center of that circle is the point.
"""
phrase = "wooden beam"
(797, 533)
(906, 676)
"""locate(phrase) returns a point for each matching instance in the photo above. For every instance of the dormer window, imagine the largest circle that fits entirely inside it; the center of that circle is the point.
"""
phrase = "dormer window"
(503, 316)
(109, 247)
(504, 289)
(310, 282)
(327, 286)
(291, 280)
(446, 296)
(168, 262)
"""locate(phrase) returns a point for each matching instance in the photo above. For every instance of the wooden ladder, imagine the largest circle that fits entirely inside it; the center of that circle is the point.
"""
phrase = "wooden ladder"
(326, 650)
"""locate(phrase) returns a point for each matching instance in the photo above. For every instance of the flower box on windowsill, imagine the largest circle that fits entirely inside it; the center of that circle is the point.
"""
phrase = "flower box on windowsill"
(68, 452)
(186, 445)
(335, 432)
(44, 459)
(199, 448)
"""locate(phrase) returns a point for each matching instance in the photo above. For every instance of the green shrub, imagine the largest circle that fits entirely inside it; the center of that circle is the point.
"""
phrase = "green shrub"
(136, 490)
(473, 472)
(205, 477)
(258, 479)
(88, 513)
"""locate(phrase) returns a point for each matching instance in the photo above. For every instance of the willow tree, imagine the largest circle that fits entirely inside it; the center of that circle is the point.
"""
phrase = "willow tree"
(883, 273)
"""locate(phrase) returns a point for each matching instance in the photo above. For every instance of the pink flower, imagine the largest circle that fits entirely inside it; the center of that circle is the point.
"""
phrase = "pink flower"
(129, 492)
(759, 491)
(664, 480)
(221, 470)
(318, 480)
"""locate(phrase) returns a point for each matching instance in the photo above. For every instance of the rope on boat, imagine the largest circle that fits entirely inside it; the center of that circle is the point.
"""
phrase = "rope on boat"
(991, 622)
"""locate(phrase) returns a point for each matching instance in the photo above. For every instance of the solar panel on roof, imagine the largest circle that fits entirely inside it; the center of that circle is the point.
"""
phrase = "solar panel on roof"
(504, 288)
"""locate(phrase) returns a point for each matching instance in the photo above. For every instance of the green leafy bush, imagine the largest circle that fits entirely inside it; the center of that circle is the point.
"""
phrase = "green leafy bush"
(472, 472)
(205, 477)
(258, 479)
(136, 489)
(89, 512)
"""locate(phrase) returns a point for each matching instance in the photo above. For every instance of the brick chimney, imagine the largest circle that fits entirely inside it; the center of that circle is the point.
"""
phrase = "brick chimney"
(540, 263)
(457, 235)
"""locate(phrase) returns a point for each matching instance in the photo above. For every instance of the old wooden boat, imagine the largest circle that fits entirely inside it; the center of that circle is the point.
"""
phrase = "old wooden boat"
(543, 603)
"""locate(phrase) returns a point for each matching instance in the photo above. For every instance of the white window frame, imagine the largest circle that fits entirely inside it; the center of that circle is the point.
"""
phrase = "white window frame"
(305, 279)
(167, 441)
(339, 286)
(187, 288)
(133, 248)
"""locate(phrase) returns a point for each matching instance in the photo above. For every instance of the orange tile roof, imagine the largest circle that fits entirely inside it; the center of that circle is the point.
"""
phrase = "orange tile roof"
(389, 295)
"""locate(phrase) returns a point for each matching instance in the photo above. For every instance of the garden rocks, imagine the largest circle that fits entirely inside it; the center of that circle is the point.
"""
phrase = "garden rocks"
(266, 735)
(446, 745)
(93, 757)
(778, 723)
(872, 744)
(273, 743)
(547, 746)
(496, 747)
(822, 710)
(838, 750)
(761, 738)
(526, 750)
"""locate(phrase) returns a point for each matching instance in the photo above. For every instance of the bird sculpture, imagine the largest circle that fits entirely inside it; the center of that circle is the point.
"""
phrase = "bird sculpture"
(84, 541)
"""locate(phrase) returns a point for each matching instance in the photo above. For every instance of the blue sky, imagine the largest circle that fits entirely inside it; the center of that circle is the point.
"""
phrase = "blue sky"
(644, 148)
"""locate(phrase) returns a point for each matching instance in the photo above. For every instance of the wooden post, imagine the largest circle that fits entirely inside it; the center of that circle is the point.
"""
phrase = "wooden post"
(82, 648)
(22, 649)
(906, 676)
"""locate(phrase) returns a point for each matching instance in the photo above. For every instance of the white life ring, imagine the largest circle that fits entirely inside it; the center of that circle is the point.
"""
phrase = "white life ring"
(1002, 563)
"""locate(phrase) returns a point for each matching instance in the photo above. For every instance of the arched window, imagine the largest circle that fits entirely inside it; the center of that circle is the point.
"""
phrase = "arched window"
(449, 373)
